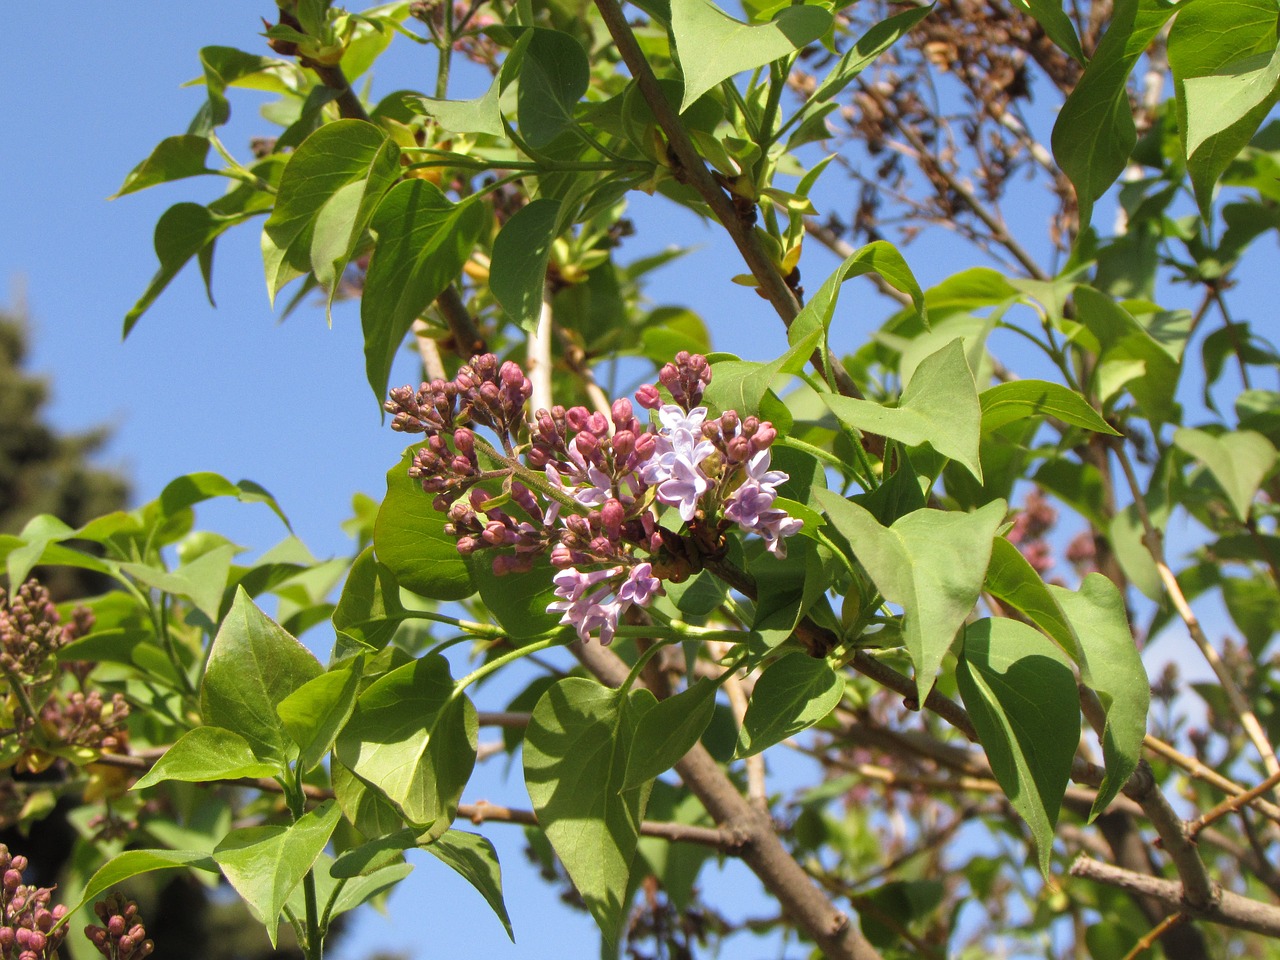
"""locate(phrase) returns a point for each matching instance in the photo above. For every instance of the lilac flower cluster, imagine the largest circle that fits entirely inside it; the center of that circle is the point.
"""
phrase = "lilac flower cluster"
(122, 935)
(27, 921)
(587, 487)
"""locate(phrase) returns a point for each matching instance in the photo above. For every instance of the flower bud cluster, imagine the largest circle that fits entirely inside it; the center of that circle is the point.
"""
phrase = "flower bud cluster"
(87, 720)
(122, 935)
(26, 920)
(30, 634)
(1029, 528)
(588, 491)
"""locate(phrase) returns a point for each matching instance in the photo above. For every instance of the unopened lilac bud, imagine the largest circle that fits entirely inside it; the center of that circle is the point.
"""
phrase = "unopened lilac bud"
(511, 375)
(622, 413)
(647, 396)
(729, 422)
(12, 878)
(7, 939)
(738, 449)
(467, 545)
(764, 437)
(495, 533)
(136, 931)
(126, 945)
(19, 863)
(464, 440)
(560, 556)
(598, 424)
(115, 926)
(44, 920)
(612, 515)
(645, 444)
(587, 444)
(624, 441)
(576, 418)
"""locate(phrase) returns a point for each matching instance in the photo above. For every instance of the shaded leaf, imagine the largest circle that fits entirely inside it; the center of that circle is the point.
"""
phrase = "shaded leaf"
(668, 731)
(1021, 695)
(480, 115)
(409, 537)
(174, 158)
(473, 857)
(253, 665)
(412, 739)
(553, 76)
(575, 756)
(264, 864)
(1111, 667)
(792, 694)
(133, 863)
(369, 611)
(518, 274)
(424, 239)
(930, 562)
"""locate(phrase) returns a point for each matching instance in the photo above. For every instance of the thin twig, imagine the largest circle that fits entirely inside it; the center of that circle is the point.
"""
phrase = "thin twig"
(1199, 771)
(1155, 933)
(538, 355)
(1231, 805)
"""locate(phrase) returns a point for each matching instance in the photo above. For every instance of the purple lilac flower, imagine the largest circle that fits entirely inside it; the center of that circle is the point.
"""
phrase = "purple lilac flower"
(751, 505)
(586, 605)
(674, 467)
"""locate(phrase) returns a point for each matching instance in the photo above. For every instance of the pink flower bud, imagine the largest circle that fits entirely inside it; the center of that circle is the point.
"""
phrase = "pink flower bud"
(622, 412)
(464, 440)
(647, 396)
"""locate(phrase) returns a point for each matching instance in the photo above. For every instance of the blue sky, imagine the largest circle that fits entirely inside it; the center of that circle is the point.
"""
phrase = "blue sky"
(92, 89)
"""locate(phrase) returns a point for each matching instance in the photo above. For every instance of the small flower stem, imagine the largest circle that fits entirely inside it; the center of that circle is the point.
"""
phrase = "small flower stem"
(296, 797)
(480, 673)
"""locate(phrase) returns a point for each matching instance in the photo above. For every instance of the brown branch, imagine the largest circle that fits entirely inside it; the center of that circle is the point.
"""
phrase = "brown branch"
(1231, 805)
(1199, 771)
(1226, 908)
(753, 837)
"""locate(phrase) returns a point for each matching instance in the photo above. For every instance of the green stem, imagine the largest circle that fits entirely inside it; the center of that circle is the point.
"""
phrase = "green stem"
(525, 166)
(764, 138)
(313, 946)
(481, 672)
(641, 660)
(486, 630)
(830, 459)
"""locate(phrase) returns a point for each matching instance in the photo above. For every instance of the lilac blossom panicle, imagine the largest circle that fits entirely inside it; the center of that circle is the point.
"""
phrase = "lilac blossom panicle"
(122, 935)
(590, 485)
(27, 921)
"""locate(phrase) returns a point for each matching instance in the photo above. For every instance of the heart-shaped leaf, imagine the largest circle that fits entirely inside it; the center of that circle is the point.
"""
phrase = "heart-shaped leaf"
(204, 754)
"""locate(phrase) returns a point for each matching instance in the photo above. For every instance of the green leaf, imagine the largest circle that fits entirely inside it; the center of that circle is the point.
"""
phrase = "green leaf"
(264, 864)
(202, 581)
(134, 863)
(473, 857)
(409, 538)
(930, 562)
(1111, 667)
(182, 232)
(1094, 133)
(939, 406)
(481, 115)
(1007, 402)
(1222, 96)
(1021, 695)
(193, 488)
(744, 385)
(575, 758)
(870, 45)
(315, 712)
(1239, 460)
(517, 601)
(711, 46)
(424, 239)
(207, 753)
(1012, 580)
(253, 665)
(369, 611)
(412, 739)
(359, 890)
(174, 158)
(226, 67)
(553, 76)
(1132, 358)
(668, 731)
(1057, 25)
(880, 257)
(792, 694)
(1223, 113)
(518, 273)
(351, 154)
(369, 812)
